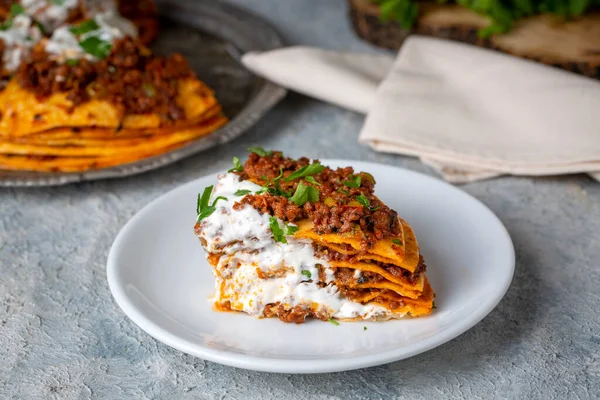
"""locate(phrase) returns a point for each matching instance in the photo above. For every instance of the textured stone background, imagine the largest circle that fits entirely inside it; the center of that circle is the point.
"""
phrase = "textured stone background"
(62, 335)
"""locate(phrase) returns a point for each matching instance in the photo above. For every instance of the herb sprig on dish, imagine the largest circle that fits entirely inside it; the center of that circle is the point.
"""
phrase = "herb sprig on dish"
(95, 46)
(203, 208)
(84, 27)
(15, 9)
(303, 194)
(237, 165)
(280, 233)
(260, 151)
(353, 181)
(307, 170)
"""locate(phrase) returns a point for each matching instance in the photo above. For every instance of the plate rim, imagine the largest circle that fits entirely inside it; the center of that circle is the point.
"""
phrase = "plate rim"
(266, 96)
(298, 366)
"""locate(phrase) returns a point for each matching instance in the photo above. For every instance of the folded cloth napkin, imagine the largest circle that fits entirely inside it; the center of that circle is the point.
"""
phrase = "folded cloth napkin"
(470, 113)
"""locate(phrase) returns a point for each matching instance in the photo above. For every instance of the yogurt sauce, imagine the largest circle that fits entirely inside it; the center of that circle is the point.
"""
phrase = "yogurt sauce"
(48, 13)
(249, 250)
(65, 45)
(19, 39)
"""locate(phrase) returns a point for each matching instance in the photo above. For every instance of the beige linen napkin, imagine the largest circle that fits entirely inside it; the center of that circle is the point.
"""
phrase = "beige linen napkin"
(469, 113)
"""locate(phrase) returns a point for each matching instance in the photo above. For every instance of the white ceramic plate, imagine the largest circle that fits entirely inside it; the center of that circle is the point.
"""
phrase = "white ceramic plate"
(159, 276)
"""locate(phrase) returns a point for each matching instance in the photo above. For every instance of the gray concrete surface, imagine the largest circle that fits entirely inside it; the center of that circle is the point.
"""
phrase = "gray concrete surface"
(62, 336)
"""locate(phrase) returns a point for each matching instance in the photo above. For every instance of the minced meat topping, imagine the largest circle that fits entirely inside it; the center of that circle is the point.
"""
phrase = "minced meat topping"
(130, 77)
(336, 201)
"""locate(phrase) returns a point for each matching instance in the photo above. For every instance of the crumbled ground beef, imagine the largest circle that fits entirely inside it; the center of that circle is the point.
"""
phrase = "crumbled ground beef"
(297, 314)
(5, 75)
(337, 209)
(130, 77)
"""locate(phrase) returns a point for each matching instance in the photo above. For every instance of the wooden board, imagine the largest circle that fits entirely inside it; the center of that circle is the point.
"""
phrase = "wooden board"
(572, 45)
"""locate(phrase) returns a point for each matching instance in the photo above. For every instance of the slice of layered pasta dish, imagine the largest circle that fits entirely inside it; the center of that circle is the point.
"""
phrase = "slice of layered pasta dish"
(295, 239)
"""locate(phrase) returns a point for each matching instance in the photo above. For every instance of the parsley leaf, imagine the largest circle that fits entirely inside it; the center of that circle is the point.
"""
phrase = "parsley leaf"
(312, 180)
(149, 89)
(84, 27)
(203, 209)
(96, 47)
(312, 169)
(40, 26)
(278, 177)
(237, 165)
(353, 181)
(364, 328)
(242, 192)
(58, 2)
(278, 191)
(362, 199)
(306, 273)
(260, 151)
(333, 321)
(280, 233)
(305, 193)
(397, 241)
(16, 9)
(72, 62)
(291, 229)
(342, 191)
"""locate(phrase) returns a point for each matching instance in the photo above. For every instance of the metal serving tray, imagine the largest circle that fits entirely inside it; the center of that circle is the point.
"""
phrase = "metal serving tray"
(212, 36)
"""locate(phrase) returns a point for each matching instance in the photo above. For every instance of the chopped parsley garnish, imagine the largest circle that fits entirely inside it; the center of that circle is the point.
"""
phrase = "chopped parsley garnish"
(279, 233)
(312, 169)
(40, 26)
(303, 194)
(277, 190)
(95, 46)
(362, 199)
(312, 180)
(333, 321)
(58, 2)
(397, 241)
(364, 328)
(278, 177)
(342, 191)
(353, 181)
(237, 165)
(149, 89)
(84, 27)
(260, 151)
(291, 229)
(242, 192)
(72, 62)
(306, 273)
(203, 209)
(16, 9)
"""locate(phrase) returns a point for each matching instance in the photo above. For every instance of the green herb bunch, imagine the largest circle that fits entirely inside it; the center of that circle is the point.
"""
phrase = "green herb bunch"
(502, 13)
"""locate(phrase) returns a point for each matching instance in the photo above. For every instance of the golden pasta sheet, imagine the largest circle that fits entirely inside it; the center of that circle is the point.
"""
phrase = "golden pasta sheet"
(402, 251)
(401, 280)
(23, 114)
(399, 306)
(83, 154)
